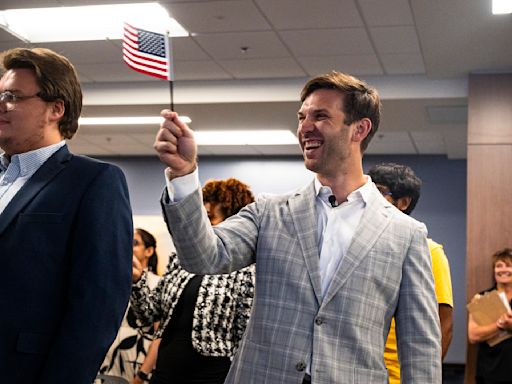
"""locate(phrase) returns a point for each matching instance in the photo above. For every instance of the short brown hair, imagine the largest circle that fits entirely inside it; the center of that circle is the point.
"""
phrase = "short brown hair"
(360, 100)
(56, 77)
(230, 194)
(504, 254)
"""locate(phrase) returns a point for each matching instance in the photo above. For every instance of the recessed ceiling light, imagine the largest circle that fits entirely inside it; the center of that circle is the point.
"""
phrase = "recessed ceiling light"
(500, 7)
(82, 23)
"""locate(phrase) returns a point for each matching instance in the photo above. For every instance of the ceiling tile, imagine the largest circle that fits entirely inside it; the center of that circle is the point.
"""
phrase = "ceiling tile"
(353, 64)
(88, 52)
(428, 142)
(395, 39)
(110, 140)
(449, 114)
(391, 142)
(280, 150)
(220, 150)
(17, 4)
(263, 68)
(328, 42)
(186, 49)
(229, 45)
(199, 70)
(218, 16)
(81, 146)
(403, 63)
(306, 14)
(111, 73)
(6, 37)
(386, 13)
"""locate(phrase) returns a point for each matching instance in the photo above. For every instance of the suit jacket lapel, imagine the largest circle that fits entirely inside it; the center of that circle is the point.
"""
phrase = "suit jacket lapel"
(303, 213)
(374, 220)
(43, 176)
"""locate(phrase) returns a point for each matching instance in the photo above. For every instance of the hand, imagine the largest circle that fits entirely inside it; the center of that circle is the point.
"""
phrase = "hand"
(137, 380)
(505, 322)
(175, 145)
(136, 269)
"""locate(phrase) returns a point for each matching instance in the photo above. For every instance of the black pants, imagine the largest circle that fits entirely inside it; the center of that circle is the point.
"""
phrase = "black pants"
(307, 379)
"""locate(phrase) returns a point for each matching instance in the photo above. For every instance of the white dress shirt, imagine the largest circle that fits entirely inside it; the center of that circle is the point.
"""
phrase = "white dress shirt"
(336, 227)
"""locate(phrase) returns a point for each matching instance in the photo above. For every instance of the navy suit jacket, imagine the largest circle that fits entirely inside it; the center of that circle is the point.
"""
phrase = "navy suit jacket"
(65, 250)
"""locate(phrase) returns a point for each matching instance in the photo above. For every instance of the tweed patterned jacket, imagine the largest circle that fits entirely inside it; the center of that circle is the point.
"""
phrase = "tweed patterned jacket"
(222, 308)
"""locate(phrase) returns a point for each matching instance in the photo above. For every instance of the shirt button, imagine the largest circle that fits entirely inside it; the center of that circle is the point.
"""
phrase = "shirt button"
(300, 366)
(319, 321)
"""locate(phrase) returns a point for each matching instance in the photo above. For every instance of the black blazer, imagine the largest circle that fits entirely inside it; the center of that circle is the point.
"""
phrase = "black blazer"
(65, 257)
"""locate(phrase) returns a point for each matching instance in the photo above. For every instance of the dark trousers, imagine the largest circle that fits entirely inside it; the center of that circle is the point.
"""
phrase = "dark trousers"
(307, 379)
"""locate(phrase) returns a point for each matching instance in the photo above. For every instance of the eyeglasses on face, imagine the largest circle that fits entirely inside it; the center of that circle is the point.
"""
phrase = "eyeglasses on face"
(10, 100)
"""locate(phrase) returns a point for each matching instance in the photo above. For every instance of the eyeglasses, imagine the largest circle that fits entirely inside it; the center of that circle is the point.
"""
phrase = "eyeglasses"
(10, 100)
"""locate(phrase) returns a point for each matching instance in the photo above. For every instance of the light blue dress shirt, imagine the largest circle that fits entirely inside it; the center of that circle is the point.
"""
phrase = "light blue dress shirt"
(16, 171)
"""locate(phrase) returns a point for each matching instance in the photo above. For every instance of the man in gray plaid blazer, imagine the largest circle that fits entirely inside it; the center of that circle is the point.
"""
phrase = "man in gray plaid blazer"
(334, 260)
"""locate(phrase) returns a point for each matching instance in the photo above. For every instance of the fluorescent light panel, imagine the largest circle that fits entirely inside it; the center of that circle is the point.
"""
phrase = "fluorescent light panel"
(500, 7)
(260, 137)
(83, 23)
(241, 137)
(126, 120)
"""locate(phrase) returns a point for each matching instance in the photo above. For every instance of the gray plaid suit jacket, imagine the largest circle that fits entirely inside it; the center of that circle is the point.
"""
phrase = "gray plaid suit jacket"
(386, 272)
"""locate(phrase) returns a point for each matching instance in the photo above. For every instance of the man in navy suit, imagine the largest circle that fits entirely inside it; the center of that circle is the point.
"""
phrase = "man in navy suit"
(65, 230)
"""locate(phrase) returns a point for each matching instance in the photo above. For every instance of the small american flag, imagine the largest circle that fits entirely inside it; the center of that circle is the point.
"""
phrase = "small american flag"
(147, 52)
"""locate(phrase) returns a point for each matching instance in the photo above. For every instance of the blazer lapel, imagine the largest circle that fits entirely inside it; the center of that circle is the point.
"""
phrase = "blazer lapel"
(303, 213)
(43, 176)
(374, 220)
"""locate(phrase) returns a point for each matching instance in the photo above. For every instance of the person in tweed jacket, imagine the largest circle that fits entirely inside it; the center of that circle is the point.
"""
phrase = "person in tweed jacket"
(203, 318)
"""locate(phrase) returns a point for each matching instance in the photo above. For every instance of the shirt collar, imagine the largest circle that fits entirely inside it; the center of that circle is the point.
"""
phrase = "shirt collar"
(362, 192)
(31, 160)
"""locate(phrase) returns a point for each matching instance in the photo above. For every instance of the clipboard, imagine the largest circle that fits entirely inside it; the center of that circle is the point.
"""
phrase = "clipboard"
(487, 309)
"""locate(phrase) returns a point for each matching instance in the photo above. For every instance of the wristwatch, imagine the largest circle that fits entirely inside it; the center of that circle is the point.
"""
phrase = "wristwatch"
(143, 376)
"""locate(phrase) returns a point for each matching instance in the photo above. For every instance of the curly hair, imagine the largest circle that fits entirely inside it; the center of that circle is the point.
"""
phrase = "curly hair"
(230, 194)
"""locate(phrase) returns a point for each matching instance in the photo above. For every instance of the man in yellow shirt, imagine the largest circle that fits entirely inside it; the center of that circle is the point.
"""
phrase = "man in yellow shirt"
(401, 187)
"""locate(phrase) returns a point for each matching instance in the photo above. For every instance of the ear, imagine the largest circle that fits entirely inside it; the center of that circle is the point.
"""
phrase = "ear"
(403, 203)
(363, 128)
(148, 252)
(57, 110)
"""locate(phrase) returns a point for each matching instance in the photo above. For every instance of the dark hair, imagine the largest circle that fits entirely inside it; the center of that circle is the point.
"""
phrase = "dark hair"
(56, 77)
(360, 100)
(149, 241)
(230, 194)
(400, 180)
(504, 254)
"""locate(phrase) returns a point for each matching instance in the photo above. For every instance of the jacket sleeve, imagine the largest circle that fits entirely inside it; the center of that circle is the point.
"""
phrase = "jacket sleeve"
(146, 303)
(417, 321)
